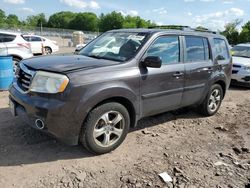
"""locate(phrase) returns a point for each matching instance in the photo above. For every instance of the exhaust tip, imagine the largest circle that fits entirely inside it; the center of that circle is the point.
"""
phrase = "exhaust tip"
(39, 124)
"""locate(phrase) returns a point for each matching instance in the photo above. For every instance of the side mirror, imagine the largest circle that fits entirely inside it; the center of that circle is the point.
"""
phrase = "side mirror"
(219, 58)
(152, 61)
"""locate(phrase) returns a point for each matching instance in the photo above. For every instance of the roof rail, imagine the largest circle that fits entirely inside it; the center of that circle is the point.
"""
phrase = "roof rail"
(182, 28)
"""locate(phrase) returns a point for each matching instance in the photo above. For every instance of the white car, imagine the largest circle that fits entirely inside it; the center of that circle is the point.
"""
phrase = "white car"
(13, 44)
(41, 45)
(241, 65)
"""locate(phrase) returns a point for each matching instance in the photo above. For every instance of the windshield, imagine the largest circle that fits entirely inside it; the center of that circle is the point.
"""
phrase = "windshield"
(117, 46)
(241, 51)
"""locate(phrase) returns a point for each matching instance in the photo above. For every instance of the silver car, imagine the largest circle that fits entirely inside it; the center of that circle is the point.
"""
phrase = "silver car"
(13, 44)
(241, 65)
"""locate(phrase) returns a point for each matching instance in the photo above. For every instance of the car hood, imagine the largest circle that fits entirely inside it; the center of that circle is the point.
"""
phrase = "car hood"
(241, 61)
(66, 63)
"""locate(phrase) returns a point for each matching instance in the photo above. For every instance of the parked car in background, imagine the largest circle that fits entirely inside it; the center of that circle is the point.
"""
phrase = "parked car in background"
(81, 46)
(241, 65)
(13, 44)
(41, 45)
(94, 98)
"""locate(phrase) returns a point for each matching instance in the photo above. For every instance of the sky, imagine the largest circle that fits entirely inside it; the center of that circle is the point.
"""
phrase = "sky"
(213, 14)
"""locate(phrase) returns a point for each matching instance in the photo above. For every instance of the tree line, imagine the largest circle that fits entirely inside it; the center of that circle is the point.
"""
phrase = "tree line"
(85, 21)
(88, 21)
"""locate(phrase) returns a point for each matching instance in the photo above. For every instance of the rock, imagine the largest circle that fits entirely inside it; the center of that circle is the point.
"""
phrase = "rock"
(81, 176)
(177, 171)
(221, 128)
(145, 131)
(150, 184)
(124, 186)
(131, 180)
(237, 150)
(219, 163)
(169, 185)
(138, 185)
(244, 149)
(81, 185)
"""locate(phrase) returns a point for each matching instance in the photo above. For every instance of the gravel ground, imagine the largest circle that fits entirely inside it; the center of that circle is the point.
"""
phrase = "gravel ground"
(195, 151)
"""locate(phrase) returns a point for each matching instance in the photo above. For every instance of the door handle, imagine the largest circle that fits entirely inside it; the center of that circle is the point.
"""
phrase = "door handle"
(207, 69)
(178, 74)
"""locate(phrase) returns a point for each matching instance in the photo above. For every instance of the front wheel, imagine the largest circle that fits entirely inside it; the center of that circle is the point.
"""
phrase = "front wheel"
(212, 102)
(106, 128)
(47, 51)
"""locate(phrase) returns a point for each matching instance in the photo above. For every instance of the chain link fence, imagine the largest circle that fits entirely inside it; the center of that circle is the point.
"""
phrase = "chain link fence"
(62, 36)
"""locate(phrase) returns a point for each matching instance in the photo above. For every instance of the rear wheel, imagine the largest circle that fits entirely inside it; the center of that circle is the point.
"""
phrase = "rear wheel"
(212, 102)
(47, 50)
(106, 128)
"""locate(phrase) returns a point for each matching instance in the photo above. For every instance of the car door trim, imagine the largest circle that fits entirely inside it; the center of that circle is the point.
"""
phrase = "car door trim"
(162, 93)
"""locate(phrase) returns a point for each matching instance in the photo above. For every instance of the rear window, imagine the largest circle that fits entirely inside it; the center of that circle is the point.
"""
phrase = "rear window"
(221, 49)
(7, 37)
(197, 49)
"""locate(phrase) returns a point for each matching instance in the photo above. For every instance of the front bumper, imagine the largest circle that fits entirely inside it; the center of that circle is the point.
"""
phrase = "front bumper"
(241, 77)
(57, 115)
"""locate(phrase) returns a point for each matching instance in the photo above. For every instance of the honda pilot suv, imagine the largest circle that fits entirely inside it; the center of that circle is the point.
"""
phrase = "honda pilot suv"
(94, 98)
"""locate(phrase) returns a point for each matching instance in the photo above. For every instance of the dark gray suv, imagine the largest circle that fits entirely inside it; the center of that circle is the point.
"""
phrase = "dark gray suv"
(122, 76)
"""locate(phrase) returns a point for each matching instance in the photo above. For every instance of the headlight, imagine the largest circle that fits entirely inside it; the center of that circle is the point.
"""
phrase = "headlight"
(46, 82)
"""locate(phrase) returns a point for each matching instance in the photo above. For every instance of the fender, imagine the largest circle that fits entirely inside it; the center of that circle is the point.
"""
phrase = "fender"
(101, 92)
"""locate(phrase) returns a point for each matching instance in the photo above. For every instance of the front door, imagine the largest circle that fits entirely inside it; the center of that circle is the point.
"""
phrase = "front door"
(162, 88)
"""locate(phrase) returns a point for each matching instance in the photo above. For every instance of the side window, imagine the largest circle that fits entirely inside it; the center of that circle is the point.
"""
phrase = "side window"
(221, 49)
(197, 49)
(167, 48)
(6, 37)
(35, 39)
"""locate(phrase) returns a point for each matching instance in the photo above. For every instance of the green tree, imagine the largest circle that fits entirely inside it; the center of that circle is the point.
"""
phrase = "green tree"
(86, 21)
(36, 20)
(61, 19)
(2, 16)
(113, 20)
(245, 33)
(12, 20)
(231, 32)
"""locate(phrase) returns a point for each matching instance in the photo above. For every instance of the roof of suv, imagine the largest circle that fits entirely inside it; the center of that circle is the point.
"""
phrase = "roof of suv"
(170, 31)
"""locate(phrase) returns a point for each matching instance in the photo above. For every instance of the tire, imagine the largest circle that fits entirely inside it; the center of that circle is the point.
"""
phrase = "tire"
(212, 102)
(100, 134)
(47, 50)
(15, 63)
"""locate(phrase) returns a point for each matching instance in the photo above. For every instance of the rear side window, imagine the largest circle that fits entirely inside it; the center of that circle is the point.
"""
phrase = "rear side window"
(36, 39)
(7, 37)
(221, 50)
(167, 48)
(197, 49)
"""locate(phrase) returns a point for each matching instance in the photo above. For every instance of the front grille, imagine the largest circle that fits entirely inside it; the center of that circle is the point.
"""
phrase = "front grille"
(24, 78)
(235, 71)
(236, 66)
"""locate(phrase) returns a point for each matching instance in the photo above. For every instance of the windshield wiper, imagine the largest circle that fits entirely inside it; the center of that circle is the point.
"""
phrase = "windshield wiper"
(94, 56)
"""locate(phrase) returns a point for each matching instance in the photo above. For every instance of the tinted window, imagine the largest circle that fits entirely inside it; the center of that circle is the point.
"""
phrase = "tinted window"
(167, 48)
(27, 38)
(35, 39)
(197, 49)
(6, 37)
(221, 48)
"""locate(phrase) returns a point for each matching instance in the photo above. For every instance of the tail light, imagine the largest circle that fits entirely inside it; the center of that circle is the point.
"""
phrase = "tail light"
(25, 45)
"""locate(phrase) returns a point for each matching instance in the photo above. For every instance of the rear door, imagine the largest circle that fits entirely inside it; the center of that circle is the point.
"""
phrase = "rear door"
(6, 42)
(162, 88)
(198, 68)
(36, 44)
